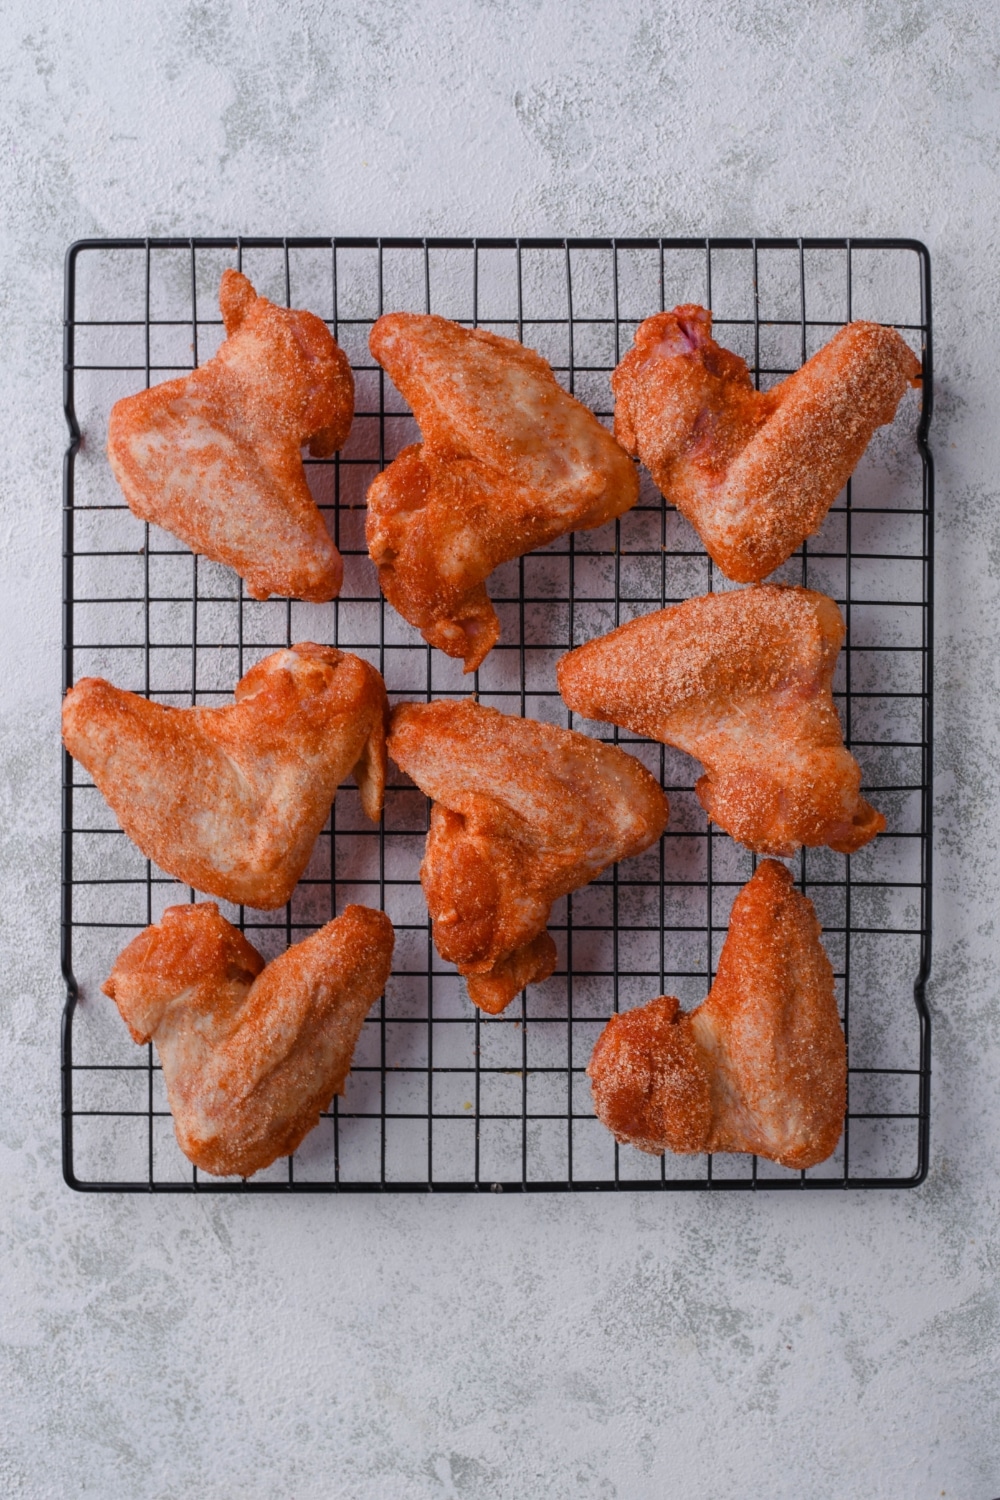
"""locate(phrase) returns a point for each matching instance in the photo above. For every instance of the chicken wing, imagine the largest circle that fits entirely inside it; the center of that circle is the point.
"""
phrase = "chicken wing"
(508, 463)
(760, 1066)
(742, 681)
(755, 472)
(523, 813)
(231, 800)
(215, 457)
(251, 1054)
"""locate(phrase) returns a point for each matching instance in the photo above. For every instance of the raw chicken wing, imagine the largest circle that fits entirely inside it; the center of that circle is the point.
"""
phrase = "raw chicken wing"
(760, 1066)
(755, 472)
(231, 800)
(508, 463)
(216, 456)
(251, 1055)
(523, 813)
(741, 681)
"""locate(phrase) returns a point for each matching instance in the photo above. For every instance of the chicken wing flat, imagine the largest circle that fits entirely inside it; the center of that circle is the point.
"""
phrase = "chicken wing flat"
(231, 800)
(755, 472)
(760, 1066)
(523, 813)
(508, 463)
(251, 1055)
(216, 456)
(741, 681)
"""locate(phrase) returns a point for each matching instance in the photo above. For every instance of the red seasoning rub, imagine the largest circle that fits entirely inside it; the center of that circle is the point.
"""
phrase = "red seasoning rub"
(742, 681)
(251, 1054)
(523, 813)
(231, 800)
(755, 472)
(509, 461)
(760, 1066)
(216, 456)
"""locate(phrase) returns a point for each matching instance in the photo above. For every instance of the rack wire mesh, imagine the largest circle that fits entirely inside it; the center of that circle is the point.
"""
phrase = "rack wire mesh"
(440, 1097)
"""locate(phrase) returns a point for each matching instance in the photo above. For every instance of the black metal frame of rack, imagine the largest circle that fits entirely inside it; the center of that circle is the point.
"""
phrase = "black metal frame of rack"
(846, 888)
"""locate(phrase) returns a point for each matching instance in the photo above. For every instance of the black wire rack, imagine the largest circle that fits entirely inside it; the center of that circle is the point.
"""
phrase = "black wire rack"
(440, 1097)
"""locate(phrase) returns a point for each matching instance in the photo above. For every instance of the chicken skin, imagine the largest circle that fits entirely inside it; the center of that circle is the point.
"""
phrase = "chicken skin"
(741, 681)
(755, 472)
(216, 456)
(523, 813)
(251, 1054)
(509, 461)
(231, 800)
(760, 1066)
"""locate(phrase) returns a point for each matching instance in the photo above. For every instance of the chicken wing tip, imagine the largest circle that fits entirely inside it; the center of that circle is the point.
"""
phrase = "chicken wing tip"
(236, 297)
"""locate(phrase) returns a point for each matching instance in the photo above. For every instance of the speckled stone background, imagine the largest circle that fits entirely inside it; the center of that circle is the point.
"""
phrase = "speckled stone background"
(822, 1348)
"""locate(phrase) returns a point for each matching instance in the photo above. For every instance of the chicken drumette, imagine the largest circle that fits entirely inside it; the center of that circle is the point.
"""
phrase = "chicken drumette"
(251, 1054)
(759, 1066)
(742, 681)
(509, 461)
(755, 472)
(216, 456)
(523, 813)
(231, 800)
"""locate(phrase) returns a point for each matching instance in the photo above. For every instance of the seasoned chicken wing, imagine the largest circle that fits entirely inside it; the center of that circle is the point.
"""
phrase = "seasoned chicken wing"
(760, 1066)
(251, 1054)
(755, 472)
(508, 463)
(216, 456)
(741, 681)
(523, 813)
(231, 800)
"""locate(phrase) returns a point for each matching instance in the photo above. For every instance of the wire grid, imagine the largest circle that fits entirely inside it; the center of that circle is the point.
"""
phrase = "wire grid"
(439, 1096)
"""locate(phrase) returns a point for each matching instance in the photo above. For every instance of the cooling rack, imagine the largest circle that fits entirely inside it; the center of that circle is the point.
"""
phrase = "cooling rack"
(440, 1097)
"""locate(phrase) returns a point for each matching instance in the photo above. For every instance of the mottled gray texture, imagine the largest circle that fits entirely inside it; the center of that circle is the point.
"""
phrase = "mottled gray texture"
(793, 1349)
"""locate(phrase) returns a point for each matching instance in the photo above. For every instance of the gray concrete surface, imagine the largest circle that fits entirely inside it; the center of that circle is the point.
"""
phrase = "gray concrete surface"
(833, 1348)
